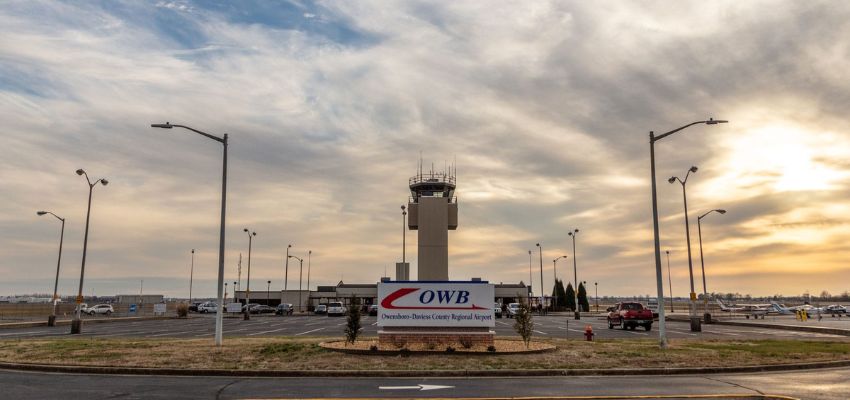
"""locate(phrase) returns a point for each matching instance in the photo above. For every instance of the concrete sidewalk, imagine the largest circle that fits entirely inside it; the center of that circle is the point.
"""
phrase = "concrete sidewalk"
(62, 322)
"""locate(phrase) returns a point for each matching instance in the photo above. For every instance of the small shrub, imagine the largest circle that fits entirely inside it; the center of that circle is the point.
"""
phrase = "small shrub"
(352, 325)
(399, 343)
(450, 349)
(466, 342)
(182, 310)
(405, 352)
(373, 348)
(491, 348)
(523, 325)
(431, 345)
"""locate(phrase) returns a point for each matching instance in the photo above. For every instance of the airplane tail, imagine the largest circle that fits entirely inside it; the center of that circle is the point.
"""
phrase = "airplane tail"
(722, 306)
(779, 308)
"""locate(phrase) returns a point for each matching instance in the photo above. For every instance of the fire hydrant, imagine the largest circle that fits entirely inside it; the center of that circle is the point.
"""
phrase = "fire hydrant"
(588, 333)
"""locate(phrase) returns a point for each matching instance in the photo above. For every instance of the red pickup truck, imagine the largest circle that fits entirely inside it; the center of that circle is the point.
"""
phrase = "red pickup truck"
(628, 315)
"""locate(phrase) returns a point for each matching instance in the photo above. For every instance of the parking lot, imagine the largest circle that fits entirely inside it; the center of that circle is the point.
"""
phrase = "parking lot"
(201, 326)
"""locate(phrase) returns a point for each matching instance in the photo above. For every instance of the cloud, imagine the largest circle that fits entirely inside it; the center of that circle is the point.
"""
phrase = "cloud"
(546, 106)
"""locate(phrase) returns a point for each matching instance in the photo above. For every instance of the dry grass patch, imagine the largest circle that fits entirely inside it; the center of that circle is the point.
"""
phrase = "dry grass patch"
(306, 354)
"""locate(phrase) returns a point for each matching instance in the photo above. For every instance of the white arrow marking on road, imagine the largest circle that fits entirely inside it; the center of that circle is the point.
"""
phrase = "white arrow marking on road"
(417, 387)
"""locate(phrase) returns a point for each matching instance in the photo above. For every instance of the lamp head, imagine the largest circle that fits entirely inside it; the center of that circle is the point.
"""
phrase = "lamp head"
(245, 230)
(193, 251)
(721, 211)
(538, 244)
(576, 230)
(80, 171)
(166, 125)
(672, 179)
(402, 207)
(104, 182)
(712, 121)
(254, 233)
(693, 169)
(41, 212)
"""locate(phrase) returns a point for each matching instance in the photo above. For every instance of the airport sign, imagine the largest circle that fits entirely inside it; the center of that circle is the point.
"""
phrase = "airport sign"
(435, 304)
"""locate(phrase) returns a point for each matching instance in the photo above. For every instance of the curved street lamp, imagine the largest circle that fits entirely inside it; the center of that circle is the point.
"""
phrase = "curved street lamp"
(300, 274)
(219, 315)
(51, 320)
(247, 315)
(573, 235)
(662, 330)
(706, 314)
(77, 322)
(695, 321)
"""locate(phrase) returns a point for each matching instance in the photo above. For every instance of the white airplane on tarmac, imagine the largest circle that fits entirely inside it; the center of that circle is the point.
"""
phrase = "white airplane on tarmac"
(754, 310)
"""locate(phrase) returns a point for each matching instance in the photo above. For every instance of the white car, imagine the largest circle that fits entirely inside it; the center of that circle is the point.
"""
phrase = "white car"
(208, 307)
(513, 309)
(105, 309)
(336, 308)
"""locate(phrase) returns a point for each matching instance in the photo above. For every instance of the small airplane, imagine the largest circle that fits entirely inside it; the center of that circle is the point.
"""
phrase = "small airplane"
(754, 310)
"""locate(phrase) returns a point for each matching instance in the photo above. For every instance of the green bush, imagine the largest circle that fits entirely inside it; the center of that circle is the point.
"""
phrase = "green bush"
(523, 325)
(352, 326)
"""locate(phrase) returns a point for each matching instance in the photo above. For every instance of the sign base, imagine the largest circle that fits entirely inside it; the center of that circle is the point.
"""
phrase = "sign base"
(454, 336)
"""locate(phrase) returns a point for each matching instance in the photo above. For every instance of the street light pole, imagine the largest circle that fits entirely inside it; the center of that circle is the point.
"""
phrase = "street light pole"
(403, 236)
(286, 273)
(695, 321)
(51, 320)
(529, 275)
(247, 315)
(670, 281)
(301, 262)
(542, 292)
(219, 315)
(662, 330)
(77, 322)
(596, 295)
(309, 254)
(225, 291)
(268, 289)
(706, 315)
(555, 266)
(191, 275)
(573, 234)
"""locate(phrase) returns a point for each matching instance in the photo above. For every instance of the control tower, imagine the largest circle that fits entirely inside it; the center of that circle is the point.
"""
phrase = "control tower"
(433, 212)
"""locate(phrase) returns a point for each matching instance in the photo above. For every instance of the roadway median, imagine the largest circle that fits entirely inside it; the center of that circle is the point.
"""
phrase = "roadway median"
(305, 357)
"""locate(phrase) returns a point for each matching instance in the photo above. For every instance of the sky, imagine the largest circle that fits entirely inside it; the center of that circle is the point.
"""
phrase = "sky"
(545, 106)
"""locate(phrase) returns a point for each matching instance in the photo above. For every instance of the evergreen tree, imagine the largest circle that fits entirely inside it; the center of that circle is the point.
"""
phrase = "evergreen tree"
(556, 299)
(582, 297)
(571, 297)
(562, 295)
(523, 324)
(352, 323)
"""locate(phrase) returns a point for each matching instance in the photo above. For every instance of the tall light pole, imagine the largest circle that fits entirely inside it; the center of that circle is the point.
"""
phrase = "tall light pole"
(670, 281)
(555, 266)
(286, 273)
(573, 235)
(662, 330)
(309, 254)
(235, 299)
(403, 236)
(51, 320)
(706, 315)
(77, 322)
(529, 275)
(301, 262)
(695, 321)
(542, 293)
(192, 275)
(219, 315)
(225, 291)
(596, 295)
(247, 315)
(268, 290)
(238, 275)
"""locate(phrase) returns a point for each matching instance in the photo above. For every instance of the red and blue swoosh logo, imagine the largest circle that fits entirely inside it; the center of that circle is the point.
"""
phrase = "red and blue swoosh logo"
(387, 302)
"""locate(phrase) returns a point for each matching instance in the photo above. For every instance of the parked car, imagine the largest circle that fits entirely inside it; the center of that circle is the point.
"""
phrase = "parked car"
(262, 309)
(373, 310)
(208, 307)
(194, 306)
(628, 315)
(336, 308)
(497, 310)
(284, 309)
(320, 309)
(249, 306)
(513, 309)
(105, 309)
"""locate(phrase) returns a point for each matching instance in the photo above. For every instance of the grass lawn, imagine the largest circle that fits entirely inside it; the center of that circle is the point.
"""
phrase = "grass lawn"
(288, 353)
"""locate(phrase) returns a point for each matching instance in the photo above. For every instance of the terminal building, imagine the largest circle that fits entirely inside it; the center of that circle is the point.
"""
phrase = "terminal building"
(432, 211)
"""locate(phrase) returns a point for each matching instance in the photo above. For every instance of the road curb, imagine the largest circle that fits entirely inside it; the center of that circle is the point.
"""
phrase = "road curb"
(67, 322)
(88, 369)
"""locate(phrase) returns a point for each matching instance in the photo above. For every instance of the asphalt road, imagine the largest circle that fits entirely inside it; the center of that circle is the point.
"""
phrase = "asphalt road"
(829, 384)
(202, 326)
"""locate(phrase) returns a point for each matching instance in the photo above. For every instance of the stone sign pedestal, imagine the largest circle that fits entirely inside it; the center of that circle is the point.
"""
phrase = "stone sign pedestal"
(400, 336)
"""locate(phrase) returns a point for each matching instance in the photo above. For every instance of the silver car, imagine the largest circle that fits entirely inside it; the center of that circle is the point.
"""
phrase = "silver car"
(105, 309)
